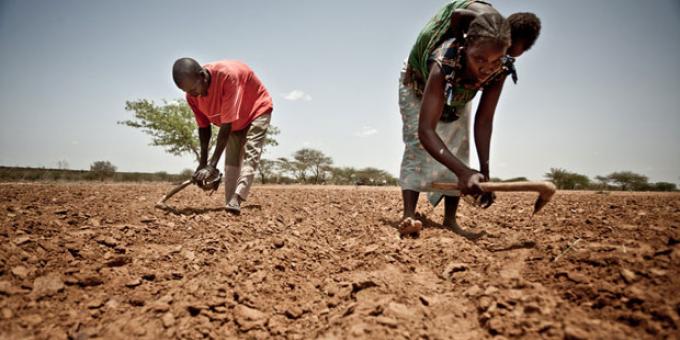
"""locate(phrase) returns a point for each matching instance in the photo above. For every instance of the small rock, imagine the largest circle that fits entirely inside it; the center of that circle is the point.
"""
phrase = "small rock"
(658, 272)
(136, 327)
(577, 277)
(7, 313)
(371, 249)
(485, 302)
(96, 303)
(168, 319)
(424, 300)
(32, 319)
(496, 325)
(107, 241)
(112, 304)
(473, 291)
(490, 290)
(532, 308)
(21, 240)
(452, 268)
(147, 219)
(20, 272)
(636, 294)
(189, 255)
(390, 322)
(293, 312)
(399, 310)
(137, 300)
(6, 288)
(278, 243)
(149, 276)
(47, 285)
(133, 283)
(248, 318)
(573, 332)
(628, 275)
(160, 307)
(88, 280)
(119, 261)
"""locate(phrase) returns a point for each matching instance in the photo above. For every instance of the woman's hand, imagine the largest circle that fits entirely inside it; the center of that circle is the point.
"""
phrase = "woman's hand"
(468, 183)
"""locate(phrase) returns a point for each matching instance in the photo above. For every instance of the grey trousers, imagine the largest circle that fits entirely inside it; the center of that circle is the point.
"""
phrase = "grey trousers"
(242, 156)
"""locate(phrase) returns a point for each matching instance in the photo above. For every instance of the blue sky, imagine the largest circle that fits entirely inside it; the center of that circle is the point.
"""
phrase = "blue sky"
(598, 93)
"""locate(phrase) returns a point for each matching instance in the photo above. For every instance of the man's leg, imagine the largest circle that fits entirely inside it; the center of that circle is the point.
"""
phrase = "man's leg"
(450, 208)
(254, 141)
(232, 165)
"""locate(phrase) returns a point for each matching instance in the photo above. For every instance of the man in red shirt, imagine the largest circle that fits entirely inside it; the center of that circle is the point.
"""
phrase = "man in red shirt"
(228, 94)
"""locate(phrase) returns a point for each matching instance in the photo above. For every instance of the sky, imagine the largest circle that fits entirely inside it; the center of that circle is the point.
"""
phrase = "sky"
(599, 92)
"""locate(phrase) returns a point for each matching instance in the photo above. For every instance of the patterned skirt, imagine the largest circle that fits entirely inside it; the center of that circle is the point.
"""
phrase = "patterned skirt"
(418, 168)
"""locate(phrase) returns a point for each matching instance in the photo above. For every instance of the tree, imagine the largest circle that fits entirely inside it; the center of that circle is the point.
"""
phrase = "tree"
(102, 169)
(564, 179)
(172, 125)
(343, 175)
(186, 174)
(604, 182)
(515, 179)
(266, 169)
(313, 161)
(373, 176)
(293, 168)
(628, 180)
(269, 138)
(664, 186)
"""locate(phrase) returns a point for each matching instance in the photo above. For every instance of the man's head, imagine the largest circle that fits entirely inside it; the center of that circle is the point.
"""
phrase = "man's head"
(525, 29)
(487, 40)
(190, 77)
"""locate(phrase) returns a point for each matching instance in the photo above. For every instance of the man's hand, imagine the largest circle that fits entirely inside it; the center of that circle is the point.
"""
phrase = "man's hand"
(205, 173)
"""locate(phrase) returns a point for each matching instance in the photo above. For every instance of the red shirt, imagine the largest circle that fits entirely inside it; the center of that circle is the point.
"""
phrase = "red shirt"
(235, 95)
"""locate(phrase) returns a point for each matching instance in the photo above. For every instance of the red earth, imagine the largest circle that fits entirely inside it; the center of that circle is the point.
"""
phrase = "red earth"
(98, 261)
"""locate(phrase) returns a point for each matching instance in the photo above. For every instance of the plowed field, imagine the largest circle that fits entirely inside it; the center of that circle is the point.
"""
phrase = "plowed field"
(87, 260)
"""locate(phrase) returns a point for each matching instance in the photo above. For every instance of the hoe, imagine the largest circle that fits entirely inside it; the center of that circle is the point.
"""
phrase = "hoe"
(209, 186)
(545, 190)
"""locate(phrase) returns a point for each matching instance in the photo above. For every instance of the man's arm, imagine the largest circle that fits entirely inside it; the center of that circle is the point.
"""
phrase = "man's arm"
(484, 123)
(204, 135)
(222, 137)
(210, 169)
(430, 112)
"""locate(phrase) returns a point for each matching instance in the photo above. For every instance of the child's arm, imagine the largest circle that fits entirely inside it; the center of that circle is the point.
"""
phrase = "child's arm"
(461, 18)
(460, 22)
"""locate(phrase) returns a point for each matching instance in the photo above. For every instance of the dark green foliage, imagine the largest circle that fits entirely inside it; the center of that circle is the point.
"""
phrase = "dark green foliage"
(564, 179)
(102, 169)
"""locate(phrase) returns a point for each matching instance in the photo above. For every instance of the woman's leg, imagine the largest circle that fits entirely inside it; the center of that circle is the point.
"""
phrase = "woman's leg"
(450, 208)
(410, 202)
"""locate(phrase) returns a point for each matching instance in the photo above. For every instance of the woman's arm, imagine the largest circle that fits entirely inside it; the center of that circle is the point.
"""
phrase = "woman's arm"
(484, 123)
(430, 112)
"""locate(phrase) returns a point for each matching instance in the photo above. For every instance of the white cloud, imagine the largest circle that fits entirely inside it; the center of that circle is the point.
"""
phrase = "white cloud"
(366, 131)
(296, 95)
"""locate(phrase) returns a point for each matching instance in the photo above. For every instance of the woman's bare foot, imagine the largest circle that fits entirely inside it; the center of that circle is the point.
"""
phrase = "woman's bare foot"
(410, 226)
(470, 235)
